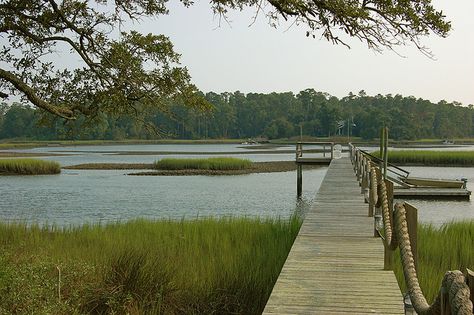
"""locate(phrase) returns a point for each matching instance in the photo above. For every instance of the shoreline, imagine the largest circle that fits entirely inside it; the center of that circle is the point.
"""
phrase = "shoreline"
(257, 167)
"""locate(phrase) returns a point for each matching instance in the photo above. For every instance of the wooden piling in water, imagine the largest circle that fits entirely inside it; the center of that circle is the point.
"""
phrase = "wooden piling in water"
(299, 180)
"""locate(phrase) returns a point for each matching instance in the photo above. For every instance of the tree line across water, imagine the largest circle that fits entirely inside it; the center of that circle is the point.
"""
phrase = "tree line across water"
(273, 115)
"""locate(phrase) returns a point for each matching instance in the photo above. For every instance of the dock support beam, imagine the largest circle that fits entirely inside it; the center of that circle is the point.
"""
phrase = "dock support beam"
(299, 180)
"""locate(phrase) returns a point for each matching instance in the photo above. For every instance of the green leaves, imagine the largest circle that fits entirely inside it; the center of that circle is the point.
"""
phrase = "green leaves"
(122, 74)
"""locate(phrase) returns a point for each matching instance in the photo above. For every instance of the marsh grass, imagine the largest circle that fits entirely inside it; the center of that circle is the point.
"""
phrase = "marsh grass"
(28, 167)
(206, 266)
(449, 247)
(221, 163)
(454, 158)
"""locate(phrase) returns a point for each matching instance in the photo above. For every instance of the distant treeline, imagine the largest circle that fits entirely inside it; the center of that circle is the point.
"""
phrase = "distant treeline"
(274, 115)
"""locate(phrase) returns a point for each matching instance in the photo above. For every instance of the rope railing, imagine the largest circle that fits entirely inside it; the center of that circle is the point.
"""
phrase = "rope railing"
(454, 296)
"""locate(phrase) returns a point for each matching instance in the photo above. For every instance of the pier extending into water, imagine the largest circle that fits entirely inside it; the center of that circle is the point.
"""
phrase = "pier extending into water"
(336, 265)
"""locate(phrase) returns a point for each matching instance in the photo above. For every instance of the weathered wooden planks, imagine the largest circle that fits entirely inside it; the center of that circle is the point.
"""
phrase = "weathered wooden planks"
(432, 193)
(335, 265)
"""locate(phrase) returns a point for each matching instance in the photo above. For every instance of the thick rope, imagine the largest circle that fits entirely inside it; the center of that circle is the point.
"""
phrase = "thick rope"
(390, 237)
(418, 300)
(453, 281)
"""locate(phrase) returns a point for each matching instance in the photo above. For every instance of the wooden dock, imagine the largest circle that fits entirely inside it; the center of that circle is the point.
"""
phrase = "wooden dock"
(432, 193)
(336, 265)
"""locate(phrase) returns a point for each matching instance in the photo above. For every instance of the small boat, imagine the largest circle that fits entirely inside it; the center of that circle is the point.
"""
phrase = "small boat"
(433, 182)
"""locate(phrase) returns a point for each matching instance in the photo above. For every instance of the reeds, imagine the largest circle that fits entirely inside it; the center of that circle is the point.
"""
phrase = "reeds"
(28, 167)
(218, 163)
(422, 157)
(449, 247)
(206, 266)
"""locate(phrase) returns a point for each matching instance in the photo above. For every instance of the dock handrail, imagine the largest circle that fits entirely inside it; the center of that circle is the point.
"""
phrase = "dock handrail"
(399, 223)
(299, 147)
(373, 157)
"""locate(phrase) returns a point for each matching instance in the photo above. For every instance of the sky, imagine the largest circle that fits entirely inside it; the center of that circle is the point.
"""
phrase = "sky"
(254, 57)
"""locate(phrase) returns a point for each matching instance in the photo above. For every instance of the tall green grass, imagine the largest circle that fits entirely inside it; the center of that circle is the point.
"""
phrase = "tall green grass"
(28, 167)
(221, 163)
(455, 158)
(449, 247)
(207, 266)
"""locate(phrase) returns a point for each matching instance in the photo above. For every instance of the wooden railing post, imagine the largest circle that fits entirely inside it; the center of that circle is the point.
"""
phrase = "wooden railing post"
(332, 150)
(355, 162)
(378, 205)
(364, 181)
(371, 196)
(378, 213)
(367, 190)
(359, 164)
(412, 225)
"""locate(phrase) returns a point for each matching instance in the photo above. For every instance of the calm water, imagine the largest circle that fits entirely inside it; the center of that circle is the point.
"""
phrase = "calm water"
(75, 197)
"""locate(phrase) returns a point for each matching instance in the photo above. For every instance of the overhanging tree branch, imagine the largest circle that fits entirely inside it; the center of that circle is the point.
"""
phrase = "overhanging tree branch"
(33, 97)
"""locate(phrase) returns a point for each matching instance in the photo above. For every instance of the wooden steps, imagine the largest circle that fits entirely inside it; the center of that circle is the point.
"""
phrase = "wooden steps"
(336, 265)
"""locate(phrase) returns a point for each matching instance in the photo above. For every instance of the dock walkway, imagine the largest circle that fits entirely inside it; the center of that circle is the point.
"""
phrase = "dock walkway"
(336, 265)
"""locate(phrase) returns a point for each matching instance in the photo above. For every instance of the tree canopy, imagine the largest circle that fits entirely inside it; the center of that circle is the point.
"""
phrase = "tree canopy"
(129, 72)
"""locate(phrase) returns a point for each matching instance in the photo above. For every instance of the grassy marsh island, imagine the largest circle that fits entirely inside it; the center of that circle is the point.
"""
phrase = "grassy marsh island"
(204, 266)
(217, 164)
(430, 158)
(449, 247)
(28, 167)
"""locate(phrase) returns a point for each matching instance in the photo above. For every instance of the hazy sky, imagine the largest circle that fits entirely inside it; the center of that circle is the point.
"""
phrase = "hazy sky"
(259, 58)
